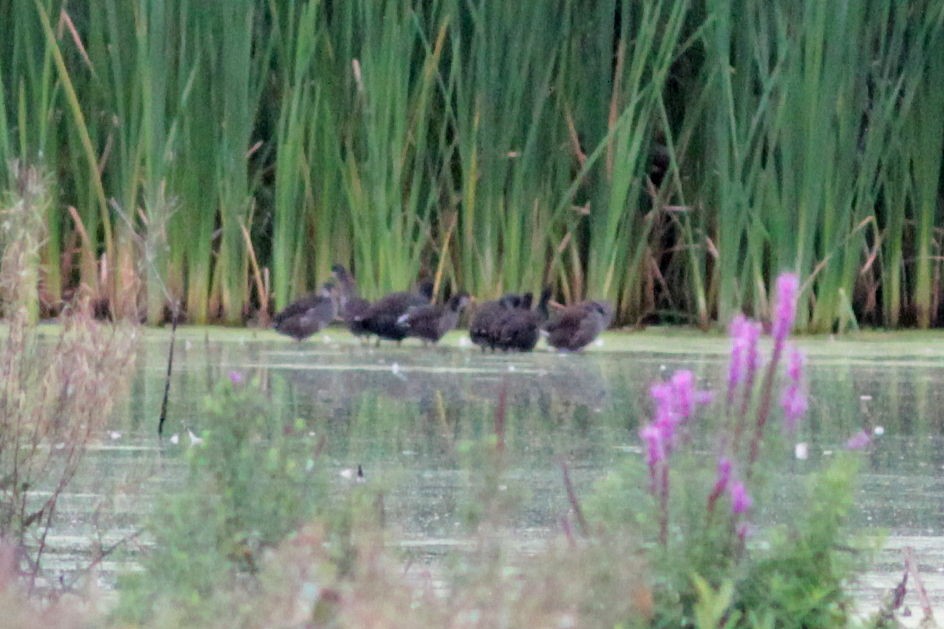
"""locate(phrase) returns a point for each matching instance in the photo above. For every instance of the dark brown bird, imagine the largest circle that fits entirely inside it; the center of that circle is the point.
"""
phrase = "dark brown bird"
(308, 315)
(483, 329)
(519, 329)
(576, 326)
(431, 322)
(382, 316)
(350, 304)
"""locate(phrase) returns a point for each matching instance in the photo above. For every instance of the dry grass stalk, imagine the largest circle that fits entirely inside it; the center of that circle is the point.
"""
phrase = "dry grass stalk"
(55, 397)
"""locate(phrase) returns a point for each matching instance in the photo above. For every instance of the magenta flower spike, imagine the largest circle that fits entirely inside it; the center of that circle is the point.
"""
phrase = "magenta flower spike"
(683, 387)
(745, 359)
(740, 500)
(750, 335)
(661, 394)
(794, 400)
(684, 396)
(859, 441)
(655, 445)
(795, 364)
(736, 367)
(724, 473)
(236, 378)
(788, 289)
(721, 482)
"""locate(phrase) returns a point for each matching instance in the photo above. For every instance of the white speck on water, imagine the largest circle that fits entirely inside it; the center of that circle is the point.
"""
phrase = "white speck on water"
(194, 439)
(511, 368)
(309, 592)
(662, 367)
(801, 451)
(114, 434)
(865, 398)
(395, 368)
(878, 431)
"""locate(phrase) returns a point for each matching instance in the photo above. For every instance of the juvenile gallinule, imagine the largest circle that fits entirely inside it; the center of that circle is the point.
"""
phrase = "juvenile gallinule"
(576, 326)
(308, 315)
(351, 305)
(431, 322)
(381, 317)
(483, 329)
(519, 329)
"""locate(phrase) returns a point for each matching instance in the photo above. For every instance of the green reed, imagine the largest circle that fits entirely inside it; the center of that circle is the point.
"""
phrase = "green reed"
(803, 135)
(924, 138)
(512, 150)
(225, 155)
(619, 222)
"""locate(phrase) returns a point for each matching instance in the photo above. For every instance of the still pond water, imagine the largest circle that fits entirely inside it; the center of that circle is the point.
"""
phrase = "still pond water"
(403, 413)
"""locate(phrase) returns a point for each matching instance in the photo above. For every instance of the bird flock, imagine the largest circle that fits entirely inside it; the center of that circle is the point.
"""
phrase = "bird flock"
(512, 323)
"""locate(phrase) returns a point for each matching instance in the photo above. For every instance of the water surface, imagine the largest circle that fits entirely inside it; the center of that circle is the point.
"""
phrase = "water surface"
(403, 414)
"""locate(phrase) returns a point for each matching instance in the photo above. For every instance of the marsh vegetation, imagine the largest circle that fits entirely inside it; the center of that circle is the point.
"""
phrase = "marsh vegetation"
(212, 161)
(669, 156)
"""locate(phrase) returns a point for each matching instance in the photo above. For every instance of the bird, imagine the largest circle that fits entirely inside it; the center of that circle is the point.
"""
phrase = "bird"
(381, 317)
(482, 328)
(519, 329)
(431, 322)
(308, 315)
(576, 326)
(350, 304)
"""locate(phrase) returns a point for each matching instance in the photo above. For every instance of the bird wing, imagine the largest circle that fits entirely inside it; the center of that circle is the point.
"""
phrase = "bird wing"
(298, 307)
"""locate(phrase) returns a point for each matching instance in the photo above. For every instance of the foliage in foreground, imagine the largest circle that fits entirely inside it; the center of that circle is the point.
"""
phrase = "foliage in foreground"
(253, 539)
(251, 482)
(55, 399)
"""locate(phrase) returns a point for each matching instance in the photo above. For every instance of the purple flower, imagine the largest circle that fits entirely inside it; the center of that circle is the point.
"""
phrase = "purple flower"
(721, 483)
(788, 288)
(674, 402)
(794, 400)
(736, 365)
(794, 406)
(795, 364)
(683, 388)
(752, 357)
(744, 356)
(724, 473)
(236, 378)
(655, 445)
(661, 394)
(655, 452)
(740, 499)
(859, 441)
(684, 397)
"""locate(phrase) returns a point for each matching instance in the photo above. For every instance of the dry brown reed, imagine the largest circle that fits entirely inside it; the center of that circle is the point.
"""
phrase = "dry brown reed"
(55, 394)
